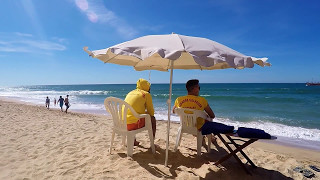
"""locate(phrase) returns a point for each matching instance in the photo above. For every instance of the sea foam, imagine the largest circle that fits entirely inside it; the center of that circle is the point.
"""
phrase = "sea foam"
(274, 129)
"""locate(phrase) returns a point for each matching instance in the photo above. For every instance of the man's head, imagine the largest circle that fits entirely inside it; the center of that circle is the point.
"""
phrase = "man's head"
(143, 85)
(193, 87)
(67, 95)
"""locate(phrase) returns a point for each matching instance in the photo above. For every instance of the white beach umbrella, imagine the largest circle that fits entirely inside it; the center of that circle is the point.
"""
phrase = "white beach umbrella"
(174, 51)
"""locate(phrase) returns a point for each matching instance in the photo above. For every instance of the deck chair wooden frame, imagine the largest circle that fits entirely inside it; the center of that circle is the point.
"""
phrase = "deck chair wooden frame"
(188, 122)
(118, 110)
(233, 140)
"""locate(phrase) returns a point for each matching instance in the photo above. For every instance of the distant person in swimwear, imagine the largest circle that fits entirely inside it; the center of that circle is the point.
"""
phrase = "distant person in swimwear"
(66, 102)
(141, 101)
(61, 101)
(47, 102)
(54, 101)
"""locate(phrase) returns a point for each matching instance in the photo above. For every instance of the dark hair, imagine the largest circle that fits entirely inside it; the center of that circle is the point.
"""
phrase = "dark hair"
(191, 83)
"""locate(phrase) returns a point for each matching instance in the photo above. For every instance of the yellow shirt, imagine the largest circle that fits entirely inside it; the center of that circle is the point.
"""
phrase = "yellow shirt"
(141, 101)
(192, 102)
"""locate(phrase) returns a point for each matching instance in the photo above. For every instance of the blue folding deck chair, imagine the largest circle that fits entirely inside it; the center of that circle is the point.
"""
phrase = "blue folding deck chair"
(235, 139)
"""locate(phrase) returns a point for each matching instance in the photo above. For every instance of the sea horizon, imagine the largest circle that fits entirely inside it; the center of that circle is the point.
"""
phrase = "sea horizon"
(167, 83)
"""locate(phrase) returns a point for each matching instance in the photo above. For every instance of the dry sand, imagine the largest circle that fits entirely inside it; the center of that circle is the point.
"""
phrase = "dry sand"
(36, 143)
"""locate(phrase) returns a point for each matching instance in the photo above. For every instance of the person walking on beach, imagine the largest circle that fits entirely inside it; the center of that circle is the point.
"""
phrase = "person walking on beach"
(47, 102)
(194, 101)
(54, 101)
(66, 102)
(61, 101)
(141, 101)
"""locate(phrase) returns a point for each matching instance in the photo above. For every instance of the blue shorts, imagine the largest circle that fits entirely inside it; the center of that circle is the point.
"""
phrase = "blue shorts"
(216, 128)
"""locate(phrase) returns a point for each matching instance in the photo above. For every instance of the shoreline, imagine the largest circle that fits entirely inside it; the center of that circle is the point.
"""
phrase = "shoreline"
(281, 140)
(37, 143)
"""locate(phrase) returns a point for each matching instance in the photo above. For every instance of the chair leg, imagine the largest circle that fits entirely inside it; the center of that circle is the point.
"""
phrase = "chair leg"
(130, 142)
(178, 141)
(199, 143)
(151, 141)
(112, 139)
(243, 154)
(209, 142)
(233, 152)
(123, 140)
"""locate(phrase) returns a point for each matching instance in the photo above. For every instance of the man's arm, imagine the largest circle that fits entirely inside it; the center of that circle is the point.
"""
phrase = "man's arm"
(174, 107)
(209, 111)
(149, 104)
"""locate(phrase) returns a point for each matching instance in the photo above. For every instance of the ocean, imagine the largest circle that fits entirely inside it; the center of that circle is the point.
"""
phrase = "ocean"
(287, 110)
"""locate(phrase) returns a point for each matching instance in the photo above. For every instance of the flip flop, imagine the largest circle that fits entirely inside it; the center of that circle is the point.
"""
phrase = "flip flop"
(315, 168)
(307, 173)
(298, 169)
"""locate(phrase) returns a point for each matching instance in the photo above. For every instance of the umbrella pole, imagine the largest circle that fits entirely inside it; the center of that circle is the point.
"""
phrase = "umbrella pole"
(169, 113)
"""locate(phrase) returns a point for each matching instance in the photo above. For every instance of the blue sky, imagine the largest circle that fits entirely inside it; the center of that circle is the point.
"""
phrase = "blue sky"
(41, 41)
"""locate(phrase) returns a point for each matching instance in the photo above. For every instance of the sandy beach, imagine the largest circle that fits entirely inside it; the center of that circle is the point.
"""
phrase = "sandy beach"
(37, 143)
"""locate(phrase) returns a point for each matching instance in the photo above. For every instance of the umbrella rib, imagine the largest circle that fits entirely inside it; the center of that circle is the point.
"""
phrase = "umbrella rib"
(111, 58)
(184, 48)
(115, 57)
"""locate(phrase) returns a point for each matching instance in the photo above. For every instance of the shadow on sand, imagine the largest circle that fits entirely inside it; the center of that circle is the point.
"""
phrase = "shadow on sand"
(229, 169)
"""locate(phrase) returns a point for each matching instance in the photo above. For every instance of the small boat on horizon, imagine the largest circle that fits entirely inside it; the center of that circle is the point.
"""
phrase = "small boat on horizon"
(313, 84)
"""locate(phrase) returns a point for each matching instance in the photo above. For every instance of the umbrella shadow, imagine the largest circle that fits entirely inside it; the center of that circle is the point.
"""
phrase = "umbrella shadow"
(226, 170)
(150, 161)
(258, 173)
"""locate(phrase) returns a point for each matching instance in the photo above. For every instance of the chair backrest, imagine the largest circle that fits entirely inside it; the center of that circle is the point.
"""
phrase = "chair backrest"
(118, 109)
(188, 119)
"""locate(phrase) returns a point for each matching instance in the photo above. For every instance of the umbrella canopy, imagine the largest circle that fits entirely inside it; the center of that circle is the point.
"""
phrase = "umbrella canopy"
(174, 51)
(154, 52)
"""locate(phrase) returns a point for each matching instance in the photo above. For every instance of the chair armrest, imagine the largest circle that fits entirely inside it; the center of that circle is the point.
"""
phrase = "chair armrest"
(147, 118)
(209, 119)
(144, 116)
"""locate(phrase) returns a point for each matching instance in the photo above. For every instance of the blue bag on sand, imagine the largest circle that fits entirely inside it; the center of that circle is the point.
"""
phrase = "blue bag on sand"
(253, 133)
(216, 128)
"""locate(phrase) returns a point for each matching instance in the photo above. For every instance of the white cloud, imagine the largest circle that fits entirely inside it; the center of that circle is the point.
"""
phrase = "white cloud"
(27, 43)
(42, 45)
(14, 49)
(93, 17)
(23, 34)
(31, 12)
(60, 40)
(82, 4)
(96, 12)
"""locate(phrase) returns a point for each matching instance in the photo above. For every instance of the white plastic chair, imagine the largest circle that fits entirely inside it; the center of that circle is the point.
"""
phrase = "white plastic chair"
(188, 123)
(119, 109)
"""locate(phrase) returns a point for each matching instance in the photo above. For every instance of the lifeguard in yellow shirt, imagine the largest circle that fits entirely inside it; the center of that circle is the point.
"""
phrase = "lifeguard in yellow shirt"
(141, 101)
(194, 101)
